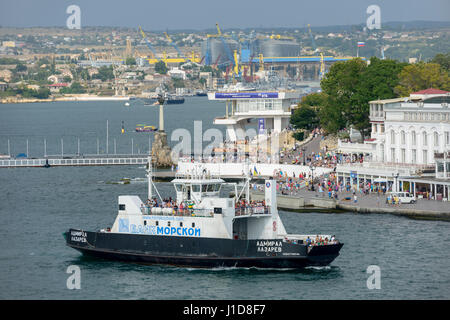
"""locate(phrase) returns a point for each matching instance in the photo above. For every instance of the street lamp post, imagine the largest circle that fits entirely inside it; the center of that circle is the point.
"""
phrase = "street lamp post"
(312, 168)
(303, 150)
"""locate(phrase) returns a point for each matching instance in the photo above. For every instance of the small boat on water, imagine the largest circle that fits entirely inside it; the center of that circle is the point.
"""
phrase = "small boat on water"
(202, 229)
(201, 93)
(174, 100)
(145, 128)
(149, 101)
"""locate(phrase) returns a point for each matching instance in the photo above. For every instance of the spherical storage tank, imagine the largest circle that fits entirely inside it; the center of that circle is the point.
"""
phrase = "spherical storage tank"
(277, 48)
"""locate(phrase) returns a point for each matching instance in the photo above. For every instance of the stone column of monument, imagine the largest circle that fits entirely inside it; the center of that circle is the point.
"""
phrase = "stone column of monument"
(161, 152)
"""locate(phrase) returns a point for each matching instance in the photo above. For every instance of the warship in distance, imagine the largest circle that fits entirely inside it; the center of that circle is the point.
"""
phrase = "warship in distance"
(201, 229)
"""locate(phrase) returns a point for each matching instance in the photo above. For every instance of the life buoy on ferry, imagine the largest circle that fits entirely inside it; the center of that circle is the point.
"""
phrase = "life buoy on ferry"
(274, 226)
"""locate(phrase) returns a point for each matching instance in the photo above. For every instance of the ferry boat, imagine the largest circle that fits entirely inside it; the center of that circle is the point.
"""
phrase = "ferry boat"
(202, 229)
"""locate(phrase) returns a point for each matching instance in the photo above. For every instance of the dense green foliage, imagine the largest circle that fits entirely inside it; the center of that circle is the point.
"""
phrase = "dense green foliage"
(104, 73)
(9, 61)
(419, 76)
(41, 93)
(161, 68)
(304, 117)
(73, 89)
(442, 59)
(349, 86)
(130, 61)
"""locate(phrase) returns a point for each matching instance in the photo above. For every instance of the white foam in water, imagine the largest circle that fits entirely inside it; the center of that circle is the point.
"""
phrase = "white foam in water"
(319, 268)
(239, 268)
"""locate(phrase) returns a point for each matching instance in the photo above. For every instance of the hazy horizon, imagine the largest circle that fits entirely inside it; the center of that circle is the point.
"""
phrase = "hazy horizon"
(202, 15)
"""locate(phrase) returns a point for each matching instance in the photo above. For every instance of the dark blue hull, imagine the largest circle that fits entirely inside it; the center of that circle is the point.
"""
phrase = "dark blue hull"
(200, 252)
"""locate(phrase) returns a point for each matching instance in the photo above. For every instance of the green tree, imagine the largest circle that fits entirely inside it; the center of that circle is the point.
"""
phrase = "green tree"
(130, 61)
(377, 82)
(74, 88)
(442, 59)
(340, 85)
(105, 73)
(20, 67)
(420, 76)
(304, 117)
(317, 99)
(160, 67)
(349, 86)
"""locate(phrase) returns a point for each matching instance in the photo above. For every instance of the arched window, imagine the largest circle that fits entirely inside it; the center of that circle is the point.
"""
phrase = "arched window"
(436, 139)
(413, 138)
(402, 137)
(424, 138)
(392, 137)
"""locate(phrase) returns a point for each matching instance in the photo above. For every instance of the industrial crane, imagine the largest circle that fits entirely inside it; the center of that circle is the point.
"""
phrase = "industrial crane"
(225, 46)
(322, 60)
(176, 47)
(148, 42)
(312, 38)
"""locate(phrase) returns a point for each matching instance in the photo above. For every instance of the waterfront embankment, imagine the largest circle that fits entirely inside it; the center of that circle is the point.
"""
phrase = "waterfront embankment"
(75, 97)
(312, 201)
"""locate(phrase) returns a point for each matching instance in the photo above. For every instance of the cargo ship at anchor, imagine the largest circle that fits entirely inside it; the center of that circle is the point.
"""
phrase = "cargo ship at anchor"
(201, 229)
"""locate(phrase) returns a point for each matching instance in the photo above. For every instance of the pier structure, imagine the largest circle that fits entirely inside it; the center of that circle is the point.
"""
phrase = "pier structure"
(109, 160)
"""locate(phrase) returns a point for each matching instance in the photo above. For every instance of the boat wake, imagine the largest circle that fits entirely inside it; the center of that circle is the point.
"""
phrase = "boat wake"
(225, 269)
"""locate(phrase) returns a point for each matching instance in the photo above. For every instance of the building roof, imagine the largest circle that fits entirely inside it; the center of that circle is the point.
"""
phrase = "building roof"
(431, 91)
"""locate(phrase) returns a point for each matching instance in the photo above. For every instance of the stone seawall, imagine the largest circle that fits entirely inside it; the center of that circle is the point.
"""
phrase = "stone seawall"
(329, 205)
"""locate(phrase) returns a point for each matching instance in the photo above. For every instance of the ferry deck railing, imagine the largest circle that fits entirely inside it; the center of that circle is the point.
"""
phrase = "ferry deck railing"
(246, 211)
(185, 212)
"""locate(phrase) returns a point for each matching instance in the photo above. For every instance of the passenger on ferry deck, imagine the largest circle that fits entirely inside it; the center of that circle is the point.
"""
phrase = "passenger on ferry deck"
(308, 241)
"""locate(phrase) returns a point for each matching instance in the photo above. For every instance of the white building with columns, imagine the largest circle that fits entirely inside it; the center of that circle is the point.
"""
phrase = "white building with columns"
(411, 130)
(407, 131)
(409, 146)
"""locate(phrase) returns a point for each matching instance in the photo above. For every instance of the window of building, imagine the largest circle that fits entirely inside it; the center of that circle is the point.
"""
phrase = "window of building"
(413, 156)
(425, 156)
(403, 137)
(413, 138)
(424, 138)
(392, 137)
(447, 137)
(392, 154)
(436, 139)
